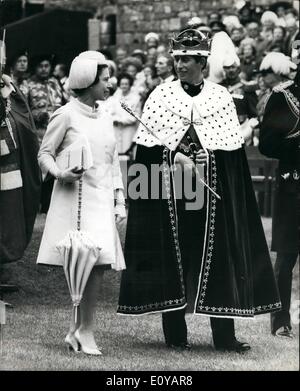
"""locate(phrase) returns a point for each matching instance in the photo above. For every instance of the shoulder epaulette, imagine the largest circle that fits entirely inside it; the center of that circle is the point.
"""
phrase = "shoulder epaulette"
(250, 87)
(282, 86)
(291, 99)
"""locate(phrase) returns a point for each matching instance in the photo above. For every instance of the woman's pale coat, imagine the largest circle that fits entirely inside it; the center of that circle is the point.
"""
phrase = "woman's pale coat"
(72, 122)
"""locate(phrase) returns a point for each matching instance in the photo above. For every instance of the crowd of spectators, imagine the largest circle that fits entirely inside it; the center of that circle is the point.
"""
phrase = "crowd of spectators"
(254, 33)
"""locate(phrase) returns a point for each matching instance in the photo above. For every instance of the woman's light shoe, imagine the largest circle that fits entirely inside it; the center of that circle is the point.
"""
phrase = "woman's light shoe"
(86, 349)
(72, 343)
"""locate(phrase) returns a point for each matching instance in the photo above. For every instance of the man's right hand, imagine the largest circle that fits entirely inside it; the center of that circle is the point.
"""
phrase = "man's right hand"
(187, 165)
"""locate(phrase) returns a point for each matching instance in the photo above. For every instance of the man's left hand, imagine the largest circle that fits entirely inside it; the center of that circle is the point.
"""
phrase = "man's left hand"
(119, 218)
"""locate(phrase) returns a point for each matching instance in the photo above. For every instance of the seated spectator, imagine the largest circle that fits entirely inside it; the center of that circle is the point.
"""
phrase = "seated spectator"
(253, 30)
(151, 40)
(267, 35)
(19, 72)
(120, 56)
(61, 74)
(125, 125)
(165, 68)
(279, 38)
(112, 67)
(151, 55)
(232, 22)
(248, 60)
(214, 17)
(195, 20)
(246, 13)
(237, 35)
(263, 92)
(161, 49)
(140, 54)
(295, 52)
(44, 95)
(292, 28)
(291, 20)
(216, 27)
(279, 34)
(269, 20)
(133, 66)
(151, 81)
(244, 97)
(150, 71)
(44, 98)
(197, 24)
(280, 9)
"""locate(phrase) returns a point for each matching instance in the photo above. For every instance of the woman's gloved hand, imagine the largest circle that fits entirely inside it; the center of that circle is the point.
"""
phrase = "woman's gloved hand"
(70, 175)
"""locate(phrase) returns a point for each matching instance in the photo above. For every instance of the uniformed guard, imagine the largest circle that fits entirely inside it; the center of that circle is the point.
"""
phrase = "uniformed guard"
(280, 139)
(244, 95)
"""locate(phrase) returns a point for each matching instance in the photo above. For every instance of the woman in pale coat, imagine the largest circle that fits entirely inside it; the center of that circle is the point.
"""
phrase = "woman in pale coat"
(79, 121)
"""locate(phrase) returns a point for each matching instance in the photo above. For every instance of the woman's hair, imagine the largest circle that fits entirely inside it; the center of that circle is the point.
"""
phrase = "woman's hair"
(132, 61)
(282, 29)
(14, 60)
(152, 67)
(112, 68)
(292, 11)
(125, 76)
(241, 51)
(100, 68)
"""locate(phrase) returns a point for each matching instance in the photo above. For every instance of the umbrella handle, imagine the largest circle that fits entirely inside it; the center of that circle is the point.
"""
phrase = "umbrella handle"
(79, 205)
(75, 312)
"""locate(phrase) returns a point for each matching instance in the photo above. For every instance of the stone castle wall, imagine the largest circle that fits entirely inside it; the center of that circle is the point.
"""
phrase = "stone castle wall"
(135, 18)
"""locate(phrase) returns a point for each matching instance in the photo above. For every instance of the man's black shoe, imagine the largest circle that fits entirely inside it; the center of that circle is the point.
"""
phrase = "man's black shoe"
(236, 346)
(181, 346)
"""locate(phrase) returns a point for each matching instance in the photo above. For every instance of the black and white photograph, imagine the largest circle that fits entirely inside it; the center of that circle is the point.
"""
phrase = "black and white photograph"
(149, 188)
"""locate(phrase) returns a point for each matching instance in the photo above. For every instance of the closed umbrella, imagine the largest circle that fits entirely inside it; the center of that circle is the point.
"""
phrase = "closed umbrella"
(79, 253)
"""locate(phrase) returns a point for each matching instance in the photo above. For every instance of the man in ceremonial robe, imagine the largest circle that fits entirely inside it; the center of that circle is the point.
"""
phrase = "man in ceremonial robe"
(214, 256)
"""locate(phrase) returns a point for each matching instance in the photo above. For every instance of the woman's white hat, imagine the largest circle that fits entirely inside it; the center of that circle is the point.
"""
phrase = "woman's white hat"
(94, 55)
(83, 69)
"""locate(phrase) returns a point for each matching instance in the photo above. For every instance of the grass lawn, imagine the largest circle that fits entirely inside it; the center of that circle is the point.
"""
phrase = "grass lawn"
(37, 324)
